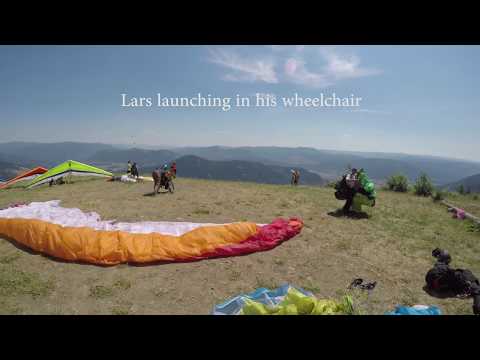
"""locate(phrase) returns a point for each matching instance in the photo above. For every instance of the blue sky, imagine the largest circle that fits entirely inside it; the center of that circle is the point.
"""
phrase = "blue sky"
(415, 99)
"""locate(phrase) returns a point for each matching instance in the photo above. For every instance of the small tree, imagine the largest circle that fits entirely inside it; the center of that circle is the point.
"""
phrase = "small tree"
(461, 190)
(423, 186)
(397, 183)
(439, 195)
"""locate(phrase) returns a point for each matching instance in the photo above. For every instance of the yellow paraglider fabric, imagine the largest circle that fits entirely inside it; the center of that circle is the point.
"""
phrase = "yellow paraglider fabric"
(296, 303)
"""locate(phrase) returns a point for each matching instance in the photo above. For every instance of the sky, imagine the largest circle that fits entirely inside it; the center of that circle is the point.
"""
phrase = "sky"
(415, 99)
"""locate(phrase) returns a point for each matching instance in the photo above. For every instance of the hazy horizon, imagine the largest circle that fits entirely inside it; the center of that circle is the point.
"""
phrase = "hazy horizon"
(170, 147)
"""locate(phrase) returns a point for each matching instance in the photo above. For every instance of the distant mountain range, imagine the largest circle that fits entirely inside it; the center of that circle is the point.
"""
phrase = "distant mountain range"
(238, 170)
(330, 164)
(327, 164)
(8, 170)
(47, 155)
(144, 158)
(470, 183)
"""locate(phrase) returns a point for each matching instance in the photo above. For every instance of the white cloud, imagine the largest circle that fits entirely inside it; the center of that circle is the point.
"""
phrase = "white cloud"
(244, 69)
(296, 72)
(344, 67)
(286, 63)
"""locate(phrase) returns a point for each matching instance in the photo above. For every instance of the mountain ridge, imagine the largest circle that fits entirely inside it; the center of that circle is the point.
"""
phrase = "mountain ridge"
(328, 163)
(469, 183)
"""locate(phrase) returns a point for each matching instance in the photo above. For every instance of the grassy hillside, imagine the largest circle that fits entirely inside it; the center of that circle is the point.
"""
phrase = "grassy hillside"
(393, 247)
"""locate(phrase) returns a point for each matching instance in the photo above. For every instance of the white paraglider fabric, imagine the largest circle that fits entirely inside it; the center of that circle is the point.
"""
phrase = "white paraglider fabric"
(51, 211)
(126, 178)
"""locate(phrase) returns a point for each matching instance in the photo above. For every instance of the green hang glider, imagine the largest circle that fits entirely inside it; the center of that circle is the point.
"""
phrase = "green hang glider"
(69, 167)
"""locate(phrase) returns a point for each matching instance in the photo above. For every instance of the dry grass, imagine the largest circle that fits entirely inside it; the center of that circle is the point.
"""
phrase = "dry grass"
(392, 247)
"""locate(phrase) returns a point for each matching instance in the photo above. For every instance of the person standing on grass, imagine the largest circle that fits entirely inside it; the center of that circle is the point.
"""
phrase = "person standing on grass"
(352, 187)
(129, 167)
(156, 180)
(173, 169)
(134, 170)
(295, 177)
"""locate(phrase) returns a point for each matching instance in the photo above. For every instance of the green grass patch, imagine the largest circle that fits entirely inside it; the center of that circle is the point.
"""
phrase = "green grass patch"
(101, 292)
(201, 212)
(9, 308)
(122, 284)
(14, 282)
(119, 310)
(8, 259)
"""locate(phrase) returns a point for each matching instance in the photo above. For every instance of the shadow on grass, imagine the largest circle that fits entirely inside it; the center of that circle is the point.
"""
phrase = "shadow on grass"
(339, 213)
(152, 194)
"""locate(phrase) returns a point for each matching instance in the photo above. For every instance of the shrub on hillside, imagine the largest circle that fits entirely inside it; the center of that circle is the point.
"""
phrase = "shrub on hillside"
(439, 195)
(423, 186)
(397, 183)
(331, 184)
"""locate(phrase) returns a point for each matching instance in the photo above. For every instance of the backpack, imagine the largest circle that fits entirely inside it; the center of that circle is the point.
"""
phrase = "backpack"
(461, 282)
(343, 192)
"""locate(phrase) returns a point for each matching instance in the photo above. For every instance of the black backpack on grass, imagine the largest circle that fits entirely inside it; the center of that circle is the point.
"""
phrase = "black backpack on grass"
(343, 192)
(458, 282)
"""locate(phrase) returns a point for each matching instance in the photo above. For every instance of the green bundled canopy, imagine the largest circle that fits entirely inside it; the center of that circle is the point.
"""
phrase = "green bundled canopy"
(367, 184)
(68, 167)
(296, 303)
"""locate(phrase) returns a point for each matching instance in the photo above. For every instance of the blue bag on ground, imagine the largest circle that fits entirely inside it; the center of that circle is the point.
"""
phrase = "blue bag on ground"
(415, 310)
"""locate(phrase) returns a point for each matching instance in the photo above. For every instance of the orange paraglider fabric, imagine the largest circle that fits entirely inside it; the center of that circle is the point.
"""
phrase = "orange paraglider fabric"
(85, 244)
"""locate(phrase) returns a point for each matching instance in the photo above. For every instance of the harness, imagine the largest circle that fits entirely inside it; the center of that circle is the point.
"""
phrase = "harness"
(358, 283)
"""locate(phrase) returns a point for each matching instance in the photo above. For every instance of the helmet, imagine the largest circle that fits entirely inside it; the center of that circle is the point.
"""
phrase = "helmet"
(442, 256)
(165, 167)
